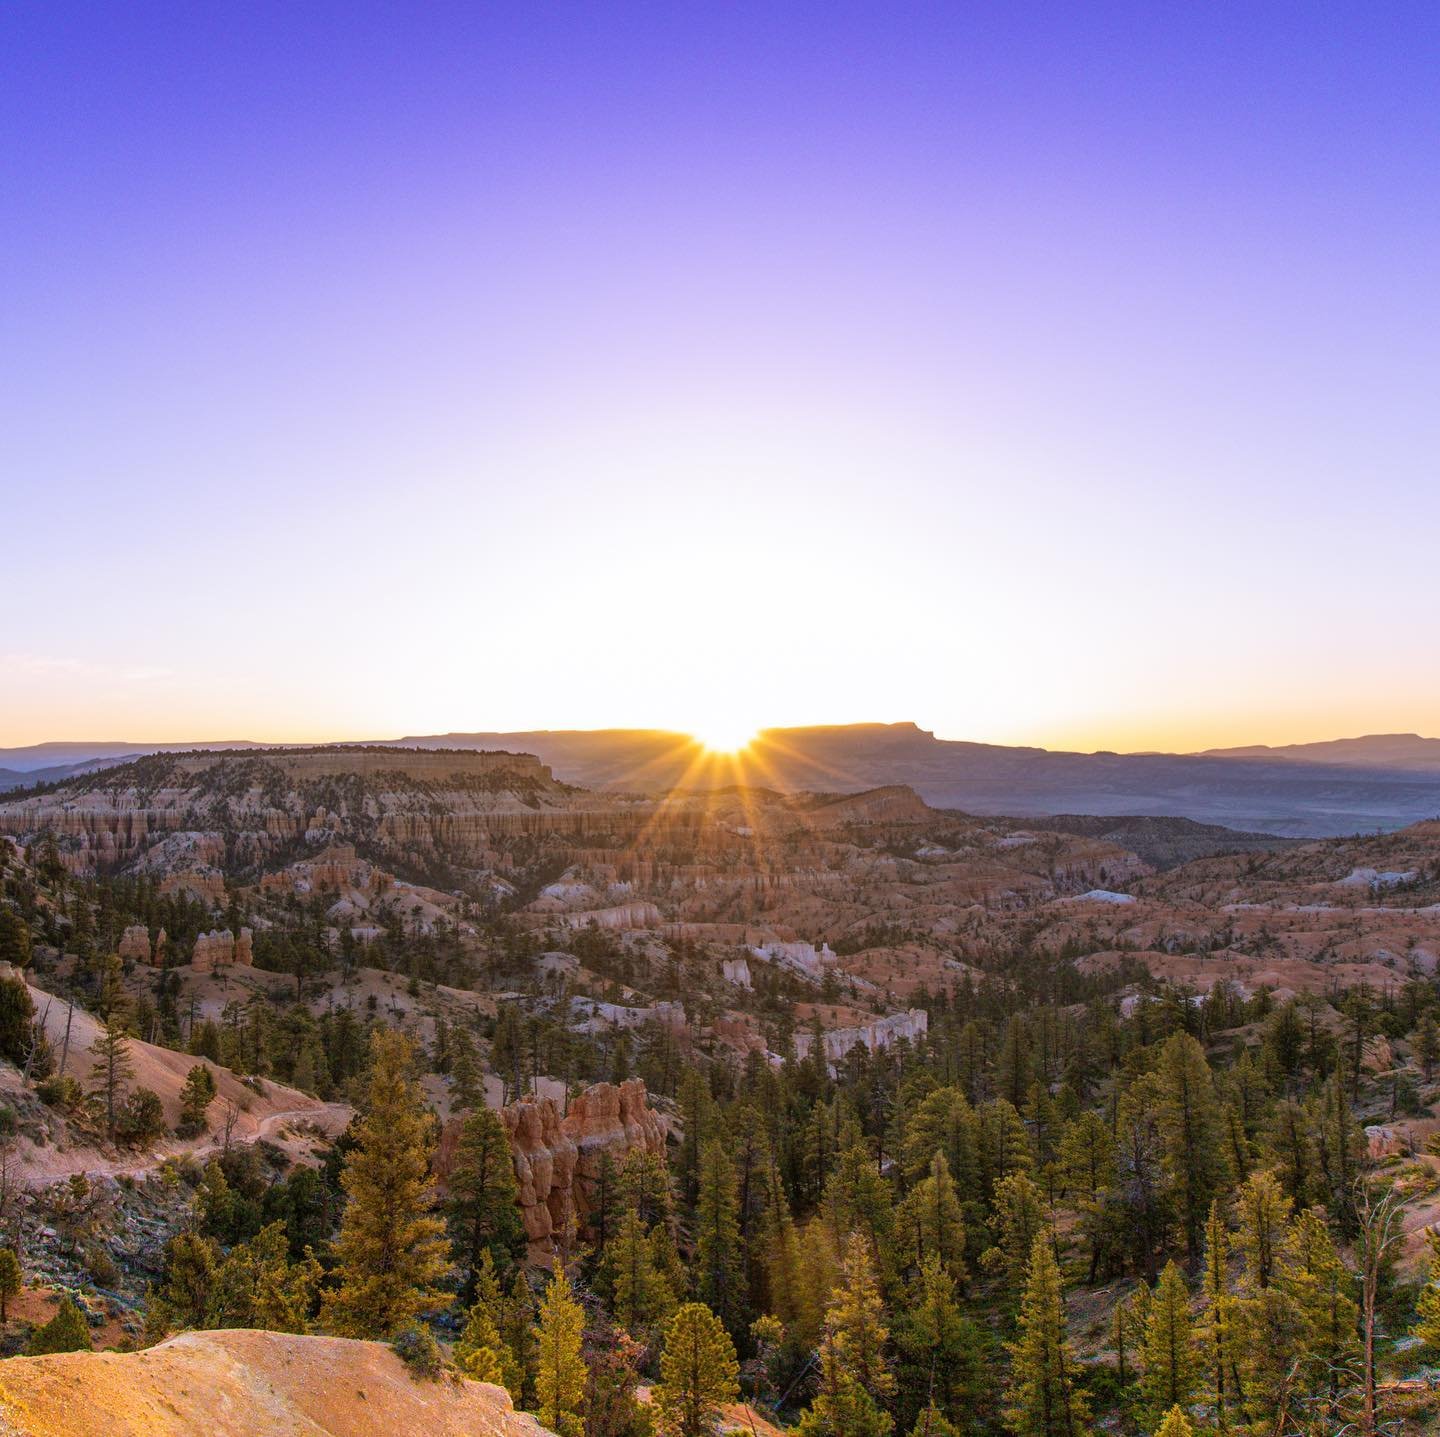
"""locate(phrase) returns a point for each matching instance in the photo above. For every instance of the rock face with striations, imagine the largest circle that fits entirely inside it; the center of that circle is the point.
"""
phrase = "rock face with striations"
(558, 1156)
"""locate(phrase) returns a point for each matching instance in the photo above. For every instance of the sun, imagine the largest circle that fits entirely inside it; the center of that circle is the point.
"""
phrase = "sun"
(725, 735)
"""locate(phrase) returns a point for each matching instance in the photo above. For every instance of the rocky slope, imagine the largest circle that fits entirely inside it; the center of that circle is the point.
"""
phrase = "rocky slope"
(241, 1383)
(48, 1148)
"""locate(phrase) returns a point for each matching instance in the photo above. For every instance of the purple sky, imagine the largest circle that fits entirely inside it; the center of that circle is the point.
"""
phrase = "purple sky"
(1057, 373)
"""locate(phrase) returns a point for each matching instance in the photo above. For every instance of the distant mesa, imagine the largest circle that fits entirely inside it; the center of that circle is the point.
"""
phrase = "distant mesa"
(1374, 783)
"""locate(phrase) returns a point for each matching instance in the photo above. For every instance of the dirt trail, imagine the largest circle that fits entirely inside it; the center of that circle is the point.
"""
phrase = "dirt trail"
(251, 1114)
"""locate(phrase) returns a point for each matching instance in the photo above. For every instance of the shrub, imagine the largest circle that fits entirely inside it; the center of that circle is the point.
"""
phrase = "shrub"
(67, 1331)
(60, 1092)
(417, 1348)
(17, 1013)
(101, 1266)
(141, 1118)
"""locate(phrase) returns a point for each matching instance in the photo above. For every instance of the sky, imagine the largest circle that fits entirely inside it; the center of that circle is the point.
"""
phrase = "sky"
(1058, 374)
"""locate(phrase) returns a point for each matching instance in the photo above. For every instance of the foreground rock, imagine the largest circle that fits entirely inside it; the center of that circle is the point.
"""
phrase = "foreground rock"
(237, 1384)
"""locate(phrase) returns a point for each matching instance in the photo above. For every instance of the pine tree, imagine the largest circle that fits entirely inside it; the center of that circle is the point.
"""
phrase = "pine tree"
(931, 1423)
(1426, 1042)
(1141, 1164)
(482, 1348)
(932, 1222)
(1176, 1424)
(559, 1366)
(183, 1300)
(943, 1122)
(639, 1295)
(1292, 1150)
(112, 1070)
(699, 1373)
(1217, 1325)
(1087, 1156)
(858, 1198)
(1190, 1123)
(719, 1277)
(855, 1322)
(1019, 1217)
(1171, 1374)
(196, 1095)
(1270, 1326)
(467, 1083)
(1262, 1211)
(478, 1352)
(783, 1278)
(11, 1279)
(482, 1209)
(67, 1331)
(1013, 1069)
(1317, 1280)
(1341, 1151)
(697, 1109)
(943, 1353)
(842, 1407)
(1427, 1306)
(517, 1329)
(644, 1184)
(1004, 1144)
(1046, 1401)
(258, 1286)
(390, 1251)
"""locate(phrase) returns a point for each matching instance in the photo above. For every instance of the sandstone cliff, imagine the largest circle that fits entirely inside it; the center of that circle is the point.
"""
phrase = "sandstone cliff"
(241, 1383)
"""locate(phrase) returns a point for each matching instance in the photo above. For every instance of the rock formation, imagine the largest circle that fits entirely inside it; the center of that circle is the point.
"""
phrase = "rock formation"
(337, 869)
(220, 948)
(135, 943)
(879, 1034)
(621, 916)
(205, 885)
(558, 1154)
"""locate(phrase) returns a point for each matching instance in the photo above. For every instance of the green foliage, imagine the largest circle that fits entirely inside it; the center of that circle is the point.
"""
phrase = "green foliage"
(559, 1366)
(482, 1207)
(17, 1017)
(417, 1348)
(67, 1331)
(111, 1069)
(390, 1251)
(11, 1278)
(1169, 1355)
(140, 1119)
(719, 1279)
(1046, 1399)
(196, 1096)
(482, 1353)
(699, 1373)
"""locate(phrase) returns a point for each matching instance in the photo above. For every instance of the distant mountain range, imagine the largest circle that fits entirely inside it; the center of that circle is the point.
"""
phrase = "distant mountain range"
(1378, 782)
(1376, 750)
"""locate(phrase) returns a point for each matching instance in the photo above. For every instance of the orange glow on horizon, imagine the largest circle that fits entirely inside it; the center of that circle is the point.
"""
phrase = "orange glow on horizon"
(726, 736)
